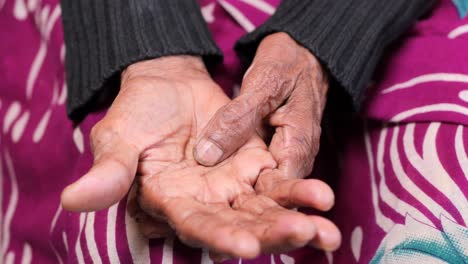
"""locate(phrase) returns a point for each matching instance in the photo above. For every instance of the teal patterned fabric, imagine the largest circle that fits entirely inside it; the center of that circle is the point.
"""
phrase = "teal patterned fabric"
(462, 6)
(422, 243)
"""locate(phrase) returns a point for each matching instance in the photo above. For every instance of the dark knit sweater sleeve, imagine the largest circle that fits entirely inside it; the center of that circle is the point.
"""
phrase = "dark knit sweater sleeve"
(102, 37)
(348, 36)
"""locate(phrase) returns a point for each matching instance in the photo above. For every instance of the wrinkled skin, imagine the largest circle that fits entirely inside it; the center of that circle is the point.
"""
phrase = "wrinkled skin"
(151, 129)
(285, 87)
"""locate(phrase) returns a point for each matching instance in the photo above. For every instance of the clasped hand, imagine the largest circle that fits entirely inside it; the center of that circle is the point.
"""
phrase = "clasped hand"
(170, 117)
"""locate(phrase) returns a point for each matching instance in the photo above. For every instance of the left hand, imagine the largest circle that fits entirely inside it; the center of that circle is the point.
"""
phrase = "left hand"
(286, 86)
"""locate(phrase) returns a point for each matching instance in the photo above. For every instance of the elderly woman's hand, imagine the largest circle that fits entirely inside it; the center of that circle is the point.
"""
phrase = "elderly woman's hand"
(218, 208)
(151, 118)
(286, 86)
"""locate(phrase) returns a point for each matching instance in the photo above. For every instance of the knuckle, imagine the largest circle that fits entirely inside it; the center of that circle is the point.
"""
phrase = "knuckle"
(94, 132)
(94, 135)
(263, 185)
(102, 133)
(267, 77)
(269, 85)
(234, 112)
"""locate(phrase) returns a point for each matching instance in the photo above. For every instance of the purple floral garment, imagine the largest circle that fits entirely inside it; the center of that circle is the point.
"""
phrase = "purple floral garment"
(411, 163)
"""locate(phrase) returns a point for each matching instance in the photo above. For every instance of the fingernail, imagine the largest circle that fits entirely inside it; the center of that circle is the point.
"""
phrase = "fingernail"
(327, 199)
(208, 153)
(326, 241)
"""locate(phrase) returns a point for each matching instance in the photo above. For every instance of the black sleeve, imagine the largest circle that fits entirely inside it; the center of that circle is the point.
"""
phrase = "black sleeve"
(102, 37)
(347, 36)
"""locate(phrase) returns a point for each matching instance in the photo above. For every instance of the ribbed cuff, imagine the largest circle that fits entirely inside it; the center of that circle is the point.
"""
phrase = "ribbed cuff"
(347, 36)
(103, 37)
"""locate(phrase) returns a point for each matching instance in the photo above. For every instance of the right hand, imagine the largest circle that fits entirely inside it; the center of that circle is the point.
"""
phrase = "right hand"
(151, 119)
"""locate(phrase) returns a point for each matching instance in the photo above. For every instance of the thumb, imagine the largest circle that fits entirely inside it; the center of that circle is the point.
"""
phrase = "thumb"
(263, 90)
(109, 179)
(228, 130)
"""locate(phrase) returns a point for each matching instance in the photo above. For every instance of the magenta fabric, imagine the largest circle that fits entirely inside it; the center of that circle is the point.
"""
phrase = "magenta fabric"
(406, 168)
(408, 162)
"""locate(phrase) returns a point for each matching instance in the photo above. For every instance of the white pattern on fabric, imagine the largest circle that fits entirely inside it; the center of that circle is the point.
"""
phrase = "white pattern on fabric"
(381, 220)
(407, 183)
(461, 151)
(41, 127)
(388, 196)
(461, 30)
(168, 251)
(238, 16)
(90, 239)
(27, 254)
(427, 78)
(52, 227)
(78, 139)
(19, 127)
(78, 249)
(12, 113)
(205, 259)
(46, 25)
(20, 11)
(454, 108)
(357, 237)
(110, 234)
(287, 259)
(261, 5)
(208, 12)
(137, 243)
(12, 204)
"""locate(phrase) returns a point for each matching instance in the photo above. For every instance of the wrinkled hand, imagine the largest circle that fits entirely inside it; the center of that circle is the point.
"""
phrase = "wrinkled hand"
(151, 129)
(285, 86)
(218, 208)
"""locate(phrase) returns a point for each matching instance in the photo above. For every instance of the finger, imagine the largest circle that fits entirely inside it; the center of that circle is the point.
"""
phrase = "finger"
(278, 229)
(265, 87)
(292, 193)
(298, 127)
(328, 235)
(294, 144)
(205, 226)
(108, 180)
(289, 230)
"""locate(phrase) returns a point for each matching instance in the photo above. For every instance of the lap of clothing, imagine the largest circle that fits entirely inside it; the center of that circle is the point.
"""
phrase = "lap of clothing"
(403, 175)
(403, 190)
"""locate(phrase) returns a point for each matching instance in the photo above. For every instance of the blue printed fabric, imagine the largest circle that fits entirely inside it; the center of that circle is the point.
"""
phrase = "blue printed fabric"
(462, 6)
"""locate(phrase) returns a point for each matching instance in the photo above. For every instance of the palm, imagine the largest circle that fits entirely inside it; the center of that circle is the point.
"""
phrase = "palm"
(195, 198)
